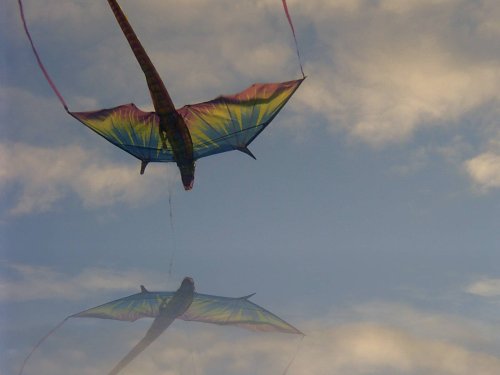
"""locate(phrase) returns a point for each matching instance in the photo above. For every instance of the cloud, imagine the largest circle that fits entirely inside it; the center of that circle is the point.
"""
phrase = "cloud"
(380, 71)
(356, 348)
(484, 170)
(486, 287)
(392, 68)
(41, 177)
(27, 283)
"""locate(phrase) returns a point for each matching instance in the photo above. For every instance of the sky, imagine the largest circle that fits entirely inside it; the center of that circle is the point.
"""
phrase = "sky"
(369, 219)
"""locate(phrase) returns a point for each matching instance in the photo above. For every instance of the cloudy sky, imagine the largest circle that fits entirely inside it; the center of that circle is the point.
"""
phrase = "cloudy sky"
(370, 219)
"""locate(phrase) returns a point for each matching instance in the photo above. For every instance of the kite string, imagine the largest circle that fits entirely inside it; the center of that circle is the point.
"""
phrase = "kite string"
(40, 343)
(172, 230)
(287, 13)
(39, 60)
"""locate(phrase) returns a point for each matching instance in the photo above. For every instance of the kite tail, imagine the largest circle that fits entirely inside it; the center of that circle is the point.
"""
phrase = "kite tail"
(40, 343)
(294, 356)
(160, 324)
(285, 6)
(138, 349)
(39, 60)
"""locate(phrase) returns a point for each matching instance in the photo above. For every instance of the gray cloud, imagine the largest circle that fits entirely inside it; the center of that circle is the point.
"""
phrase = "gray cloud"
(378, 71)
(391, 68)
(484, 170)
(29, 283)
(43, 176)
(381, 71)
(485, 287)
(374, 338)
(357, 347)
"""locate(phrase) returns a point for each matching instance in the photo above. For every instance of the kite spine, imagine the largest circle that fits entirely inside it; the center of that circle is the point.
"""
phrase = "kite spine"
(39, 60)
(287, 13)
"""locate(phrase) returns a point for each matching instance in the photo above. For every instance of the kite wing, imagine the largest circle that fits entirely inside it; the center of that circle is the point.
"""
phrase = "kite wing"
(140, 305)
(226, 123)
(205, 308)
(232, 122)
(236, 312)
(130, 129)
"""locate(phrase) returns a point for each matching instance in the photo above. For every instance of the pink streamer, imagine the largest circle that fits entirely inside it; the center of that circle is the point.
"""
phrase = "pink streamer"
(285, 6)
(40, 64)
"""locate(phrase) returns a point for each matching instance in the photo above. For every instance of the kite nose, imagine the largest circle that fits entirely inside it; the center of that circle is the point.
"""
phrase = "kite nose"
(187, 180)
(187, 174)
(189, 185)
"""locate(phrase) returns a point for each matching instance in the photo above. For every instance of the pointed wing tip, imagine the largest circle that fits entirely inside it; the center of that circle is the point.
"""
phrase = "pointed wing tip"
(144, 164)
(300, 332)
(246, 151)
(248, 296)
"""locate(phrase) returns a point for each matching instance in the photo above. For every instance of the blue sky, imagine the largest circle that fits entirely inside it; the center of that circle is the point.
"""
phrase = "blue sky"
(369, 220)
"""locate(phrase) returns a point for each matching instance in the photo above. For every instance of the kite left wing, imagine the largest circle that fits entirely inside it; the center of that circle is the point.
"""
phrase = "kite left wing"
(205, 308)
(231, 122)
(130, 129)
(140, 305)
(227, 123)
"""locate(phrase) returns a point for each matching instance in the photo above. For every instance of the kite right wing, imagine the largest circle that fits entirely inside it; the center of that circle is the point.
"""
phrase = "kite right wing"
(231, 122)
(236, 312)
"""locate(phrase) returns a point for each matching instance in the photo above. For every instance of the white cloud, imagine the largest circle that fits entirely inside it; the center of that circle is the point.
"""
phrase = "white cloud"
(390, 69)
(37, 282)
(356, 348)
(43, 176)
(486, 287)
(484, 170)
(379, 70)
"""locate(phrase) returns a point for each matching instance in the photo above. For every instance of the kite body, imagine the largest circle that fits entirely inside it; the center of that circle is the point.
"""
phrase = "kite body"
(168, 310)
(184, 304)
(171, 125)
(182, 136)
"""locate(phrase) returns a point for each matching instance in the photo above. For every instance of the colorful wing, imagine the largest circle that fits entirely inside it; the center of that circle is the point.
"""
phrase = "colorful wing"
(131, 308)
(232, 122)
(129, 128)
(237, 312)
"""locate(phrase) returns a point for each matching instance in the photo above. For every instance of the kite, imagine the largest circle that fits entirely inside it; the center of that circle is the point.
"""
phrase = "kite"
(183, 304)
(229, 122)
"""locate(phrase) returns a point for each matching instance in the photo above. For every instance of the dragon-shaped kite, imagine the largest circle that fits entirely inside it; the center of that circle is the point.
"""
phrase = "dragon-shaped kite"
(183, 304)
(182, 135)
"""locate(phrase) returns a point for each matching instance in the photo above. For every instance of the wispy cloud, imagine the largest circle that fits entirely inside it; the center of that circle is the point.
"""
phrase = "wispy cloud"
(392, 68)
(485, 287)
(356, 347)
(44, 176)
(380, 71)
(484, 170)
(29, 282)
